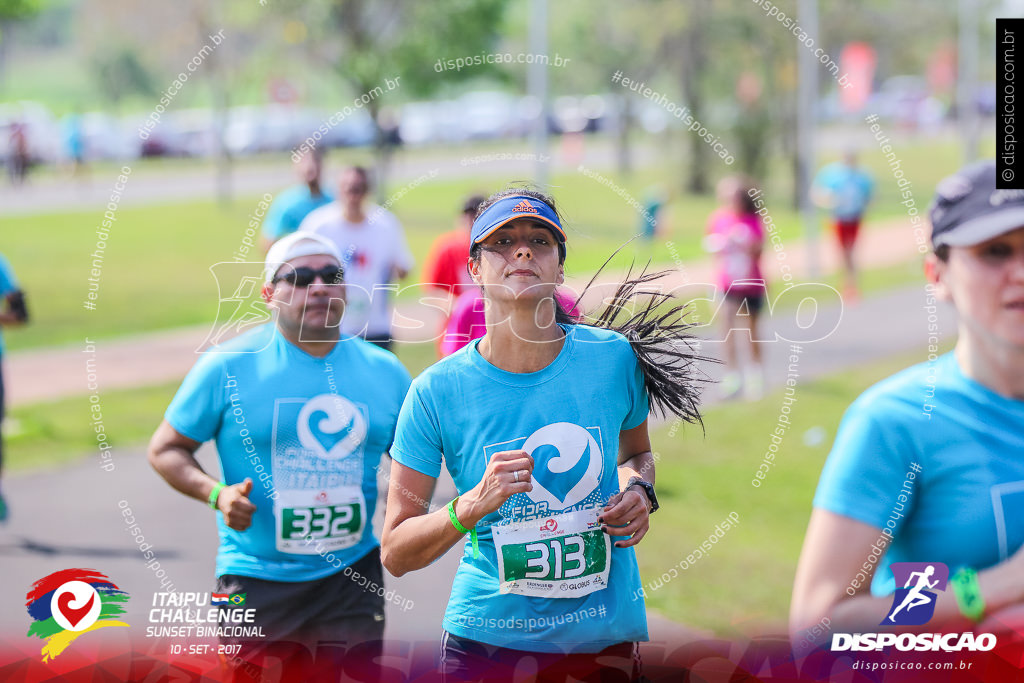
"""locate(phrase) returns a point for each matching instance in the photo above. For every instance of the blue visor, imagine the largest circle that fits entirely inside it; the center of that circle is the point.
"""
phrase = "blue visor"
(510, 208)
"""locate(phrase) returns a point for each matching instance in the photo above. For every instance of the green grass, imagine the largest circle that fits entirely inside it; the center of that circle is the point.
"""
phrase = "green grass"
(156, 268)
(744, 583)
(48, 434)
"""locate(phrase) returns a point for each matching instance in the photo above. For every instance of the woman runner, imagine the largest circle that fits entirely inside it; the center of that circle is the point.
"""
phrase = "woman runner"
(926, 468)
(542, 424)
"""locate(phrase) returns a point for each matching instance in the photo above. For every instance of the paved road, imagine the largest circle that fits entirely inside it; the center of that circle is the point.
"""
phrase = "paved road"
(167, 184)
(71, 517)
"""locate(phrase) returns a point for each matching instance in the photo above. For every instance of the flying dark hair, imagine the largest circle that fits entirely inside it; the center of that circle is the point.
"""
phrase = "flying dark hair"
(659, 337)
(661, 340)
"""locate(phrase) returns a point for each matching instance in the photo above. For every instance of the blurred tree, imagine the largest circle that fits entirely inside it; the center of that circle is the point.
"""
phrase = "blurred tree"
(688, 51)
(11, 12)
(704, 48)
(370, 44)
(880, 23)
(172, 35)
(119, 72)
(676, 39)
(614, 38)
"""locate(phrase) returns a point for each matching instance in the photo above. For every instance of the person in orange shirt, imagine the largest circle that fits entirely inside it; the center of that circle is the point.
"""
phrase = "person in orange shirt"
(445, 269)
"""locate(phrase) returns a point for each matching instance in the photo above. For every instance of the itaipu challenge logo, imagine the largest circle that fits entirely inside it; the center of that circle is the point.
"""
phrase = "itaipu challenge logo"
(70, 603)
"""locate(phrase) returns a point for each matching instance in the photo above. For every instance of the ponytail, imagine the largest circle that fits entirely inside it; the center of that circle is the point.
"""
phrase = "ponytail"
(661, 340)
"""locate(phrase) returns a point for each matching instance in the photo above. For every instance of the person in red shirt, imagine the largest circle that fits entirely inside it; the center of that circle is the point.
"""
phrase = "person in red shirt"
(445, 269)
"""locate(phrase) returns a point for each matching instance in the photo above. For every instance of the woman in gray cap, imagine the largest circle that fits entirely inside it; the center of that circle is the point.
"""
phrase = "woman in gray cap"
(925, 478)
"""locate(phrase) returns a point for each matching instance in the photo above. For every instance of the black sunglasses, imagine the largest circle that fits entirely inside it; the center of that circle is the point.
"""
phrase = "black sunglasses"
(304, 277)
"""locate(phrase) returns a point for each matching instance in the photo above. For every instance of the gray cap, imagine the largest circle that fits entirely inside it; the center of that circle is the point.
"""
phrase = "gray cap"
(969, 209)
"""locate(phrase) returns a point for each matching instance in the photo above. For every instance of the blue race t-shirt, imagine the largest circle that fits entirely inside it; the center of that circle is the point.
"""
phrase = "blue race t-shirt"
(965, 507)
(289, 208)
(8, 284)
(309, 432)
(556, 585)
(851, 189)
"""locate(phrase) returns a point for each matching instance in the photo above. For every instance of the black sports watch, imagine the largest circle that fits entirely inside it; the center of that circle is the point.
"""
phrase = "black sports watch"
(648, 488)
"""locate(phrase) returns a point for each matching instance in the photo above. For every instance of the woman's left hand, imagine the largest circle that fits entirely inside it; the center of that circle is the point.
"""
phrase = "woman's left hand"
(626, 514)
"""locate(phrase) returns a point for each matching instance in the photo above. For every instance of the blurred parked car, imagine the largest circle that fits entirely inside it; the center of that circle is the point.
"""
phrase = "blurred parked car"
(106, 137)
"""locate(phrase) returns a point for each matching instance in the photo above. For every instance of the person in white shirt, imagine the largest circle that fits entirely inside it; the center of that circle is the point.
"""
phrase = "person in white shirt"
(375, 253)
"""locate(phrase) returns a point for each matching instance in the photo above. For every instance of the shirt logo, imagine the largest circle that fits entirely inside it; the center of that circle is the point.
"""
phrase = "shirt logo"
(567, 464)
(356, 258)
(914, 603)
(524, 206)
(331, 426)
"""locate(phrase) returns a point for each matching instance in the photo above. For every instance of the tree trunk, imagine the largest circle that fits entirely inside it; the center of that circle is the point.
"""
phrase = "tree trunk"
(221, 159)
(694, 63)
(6, 29)
(381, 155)
(623, 149)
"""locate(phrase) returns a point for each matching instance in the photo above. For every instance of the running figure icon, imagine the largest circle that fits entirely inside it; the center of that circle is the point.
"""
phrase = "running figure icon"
(915, 596)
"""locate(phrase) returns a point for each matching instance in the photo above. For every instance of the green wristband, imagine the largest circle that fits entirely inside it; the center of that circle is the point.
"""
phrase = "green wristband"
(968, 594)
(461, 529)
(216, 492)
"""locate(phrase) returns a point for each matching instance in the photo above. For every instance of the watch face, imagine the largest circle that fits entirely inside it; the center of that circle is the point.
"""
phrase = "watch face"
(648, 489)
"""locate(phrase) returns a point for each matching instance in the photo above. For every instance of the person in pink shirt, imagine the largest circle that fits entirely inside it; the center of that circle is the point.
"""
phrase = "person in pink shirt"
(467, 323)
(735, 236)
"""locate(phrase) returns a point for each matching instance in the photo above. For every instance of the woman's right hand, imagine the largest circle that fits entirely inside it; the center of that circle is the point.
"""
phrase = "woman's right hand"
(1004, 583)
(499, 482)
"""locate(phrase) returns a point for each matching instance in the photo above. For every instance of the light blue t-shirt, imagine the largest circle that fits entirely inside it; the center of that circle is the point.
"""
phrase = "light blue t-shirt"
(289, 208)
(462, 410)
(850, 187)
(71, 130)
(8, 284)
(309, 432)
(965, 507)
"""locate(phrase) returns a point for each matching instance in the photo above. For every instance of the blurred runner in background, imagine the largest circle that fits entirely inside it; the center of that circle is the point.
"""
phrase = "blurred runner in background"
(18, 158)
(73, 140)
(374, 254)
(291, 206)
(735, 236)
(447, 266)
(845, 190)
(12, 313)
